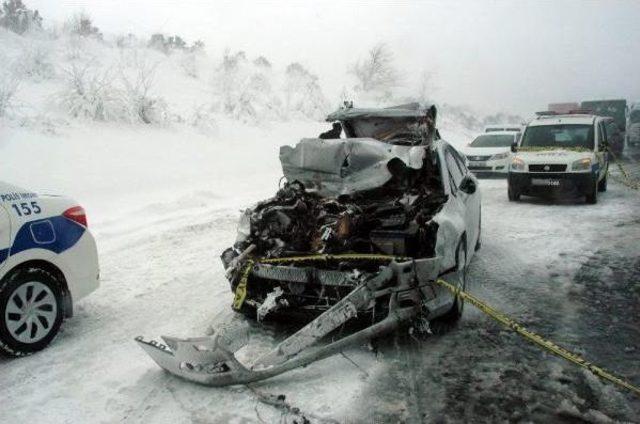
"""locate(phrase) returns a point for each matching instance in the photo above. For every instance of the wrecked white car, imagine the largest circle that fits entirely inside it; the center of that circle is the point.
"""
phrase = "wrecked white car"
(359, 232)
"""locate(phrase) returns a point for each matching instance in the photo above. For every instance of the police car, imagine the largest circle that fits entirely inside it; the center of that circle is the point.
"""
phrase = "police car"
(48, 261)
(561, 154)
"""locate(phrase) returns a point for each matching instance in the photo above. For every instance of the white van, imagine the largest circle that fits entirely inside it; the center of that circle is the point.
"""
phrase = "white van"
(560, 153)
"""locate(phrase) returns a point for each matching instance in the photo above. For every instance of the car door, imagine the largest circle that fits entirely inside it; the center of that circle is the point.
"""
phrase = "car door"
(5, 236)
(469, 203)
(472, 202)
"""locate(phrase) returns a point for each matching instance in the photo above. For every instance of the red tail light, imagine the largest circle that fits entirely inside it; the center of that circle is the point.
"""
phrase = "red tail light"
(76, 214)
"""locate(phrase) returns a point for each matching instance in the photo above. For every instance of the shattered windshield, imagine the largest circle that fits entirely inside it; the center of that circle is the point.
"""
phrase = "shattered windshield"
(394, 131)
(562, 136)
(493, 140)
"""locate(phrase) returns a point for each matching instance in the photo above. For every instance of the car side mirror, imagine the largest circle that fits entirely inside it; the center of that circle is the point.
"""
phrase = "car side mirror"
(514, 147)
(468, 185)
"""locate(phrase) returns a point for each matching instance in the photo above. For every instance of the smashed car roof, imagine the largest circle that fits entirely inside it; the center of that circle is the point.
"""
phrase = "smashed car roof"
(411, 110)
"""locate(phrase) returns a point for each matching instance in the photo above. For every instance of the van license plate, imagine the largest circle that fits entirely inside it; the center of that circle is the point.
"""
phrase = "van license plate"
(545, 182)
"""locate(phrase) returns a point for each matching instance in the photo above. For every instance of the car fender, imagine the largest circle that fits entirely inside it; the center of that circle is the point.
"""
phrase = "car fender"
(451, 227)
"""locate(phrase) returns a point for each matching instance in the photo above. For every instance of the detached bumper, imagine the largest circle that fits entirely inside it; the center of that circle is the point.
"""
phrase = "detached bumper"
(538, 183)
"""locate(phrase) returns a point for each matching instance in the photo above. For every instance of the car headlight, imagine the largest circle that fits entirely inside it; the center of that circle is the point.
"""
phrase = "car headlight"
(581, 164)
(500, 156)
(517, 164)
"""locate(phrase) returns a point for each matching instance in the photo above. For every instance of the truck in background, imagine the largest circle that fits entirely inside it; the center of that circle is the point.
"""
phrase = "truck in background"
(633, 126)
(616, 109)
(562, 108)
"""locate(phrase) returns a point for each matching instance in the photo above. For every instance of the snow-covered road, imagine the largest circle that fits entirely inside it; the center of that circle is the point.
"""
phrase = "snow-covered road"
(564, 270)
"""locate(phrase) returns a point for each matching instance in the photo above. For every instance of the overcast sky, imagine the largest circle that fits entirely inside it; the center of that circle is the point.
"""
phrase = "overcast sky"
(491, 55)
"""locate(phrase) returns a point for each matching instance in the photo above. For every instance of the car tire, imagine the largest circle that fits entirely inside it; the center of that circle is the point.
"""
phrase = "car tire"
(446, 322)
(514, 196)
(592, 198)
(602, 184)
(31, 311)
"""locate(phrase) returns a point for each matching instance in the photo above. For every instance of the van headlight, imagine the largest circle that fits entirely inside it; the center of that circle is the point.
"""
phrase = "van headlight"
(517, 164)
(500, 156)
(581, 165)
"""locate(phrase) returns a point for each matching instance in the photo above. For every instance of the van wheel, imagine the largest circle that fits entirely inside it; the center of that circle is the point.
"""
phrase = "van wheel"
(602, 185)
(31, 311)
(446, 322)
(592, 198)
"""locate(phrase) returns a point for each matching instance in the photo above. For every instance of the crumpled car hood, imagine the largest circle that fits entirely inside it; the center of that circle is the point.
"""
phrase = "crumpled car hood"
(345, 166)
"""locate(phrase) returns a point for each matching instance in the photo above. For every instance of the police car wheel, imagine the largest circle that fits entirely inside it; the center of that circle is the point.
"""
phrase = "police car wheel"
(447, 321)
(31, 311)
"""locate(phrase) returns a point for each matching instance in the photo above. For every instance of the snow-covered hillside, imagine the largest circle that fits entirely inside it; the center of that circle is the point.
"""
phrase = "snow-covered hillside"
(119, 125)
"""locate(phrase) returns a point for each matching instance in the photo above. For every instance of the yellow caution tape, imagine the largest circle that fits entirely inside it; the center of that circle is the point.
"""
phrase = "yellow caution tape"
(539, 340)
(241, 288)
(626, 180)
(340, 257)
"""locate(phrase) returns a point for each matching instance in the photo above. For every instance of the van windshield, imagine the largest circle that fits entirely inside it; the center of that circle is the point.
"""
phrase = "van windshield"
(559, 136)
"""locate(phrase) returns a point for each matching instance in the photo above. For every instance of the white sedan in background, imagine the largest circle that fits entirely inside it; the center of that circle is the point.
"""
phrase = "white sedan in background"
(490, 153)
(48, 261)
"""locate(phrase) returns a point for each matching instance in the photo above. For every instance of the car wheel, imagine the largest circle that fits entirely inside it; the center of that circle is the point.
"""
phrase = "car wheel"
(592, 198)
(602, 185)
(514, 196)
(446, 322)
(31, 311)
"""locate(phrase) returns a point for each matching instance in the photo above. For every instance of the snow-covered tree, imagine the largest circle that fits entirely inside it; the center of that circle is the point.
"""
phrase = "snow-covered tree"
(302, 93)
(89, 93)
(81, 25)
(262, 61)
(137, 83)
(170, 43)
(244, 89)
(35, 63)
(16, 17)
(376, 73)
(9, 84)
(197, 46)
(129, 40)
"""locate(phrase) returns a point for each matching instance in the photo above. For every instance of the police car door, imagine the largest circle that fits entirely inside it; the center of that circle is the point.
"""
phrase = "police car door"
(5, 235)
